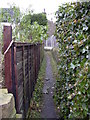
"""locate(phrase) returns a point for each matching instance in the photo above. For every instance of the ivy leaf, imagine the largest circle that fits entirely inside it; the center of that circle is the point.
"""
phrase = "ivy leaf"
(72, 66)
(79, 93)
(85, 28)
(84, 106)
(84, 50)
(75, 41)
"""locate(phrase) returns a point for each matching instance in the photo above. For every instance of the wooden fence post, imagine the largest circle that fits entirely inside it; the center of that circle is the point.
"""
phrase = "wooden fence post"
(7, 38)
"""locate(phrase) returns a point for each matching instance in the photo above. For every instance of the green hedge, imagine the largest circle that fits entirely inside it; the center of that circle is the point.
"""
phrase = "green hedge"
(73, 86)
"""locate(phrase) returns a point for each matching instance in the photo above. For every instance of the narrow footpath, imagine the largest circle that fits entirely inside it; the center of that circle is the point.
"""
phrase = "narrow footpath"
(48, 109)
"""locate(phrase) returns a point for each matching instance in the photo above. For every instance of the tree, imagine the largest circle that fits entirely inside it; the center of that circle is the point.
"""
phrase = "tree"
(11, 15)
(32, 32)
(39, 18)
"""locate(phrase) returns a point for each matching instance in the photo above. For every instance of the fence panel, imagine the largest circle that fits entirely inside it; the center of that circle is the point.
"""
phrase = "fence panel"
(22, 63)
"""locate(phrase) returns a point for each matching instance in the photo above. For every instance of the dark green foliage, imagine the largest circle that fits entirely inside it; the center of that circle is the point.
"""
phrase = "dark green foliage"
(39, 18)
(73, 86)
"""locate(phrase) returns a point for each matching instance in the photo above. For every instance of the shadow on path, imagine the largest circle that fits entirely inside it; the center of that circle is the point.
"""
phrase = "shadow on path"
(48, 109)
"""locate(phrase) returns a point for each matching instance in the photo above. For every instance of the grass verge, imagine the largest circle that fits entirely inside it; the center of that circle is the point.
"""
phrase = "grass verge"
(53, 64)
(36, 101)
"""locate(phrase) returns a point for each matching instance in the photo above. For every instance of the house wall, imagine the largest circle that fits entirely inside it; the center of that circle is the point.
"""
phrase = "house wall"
(51, 28)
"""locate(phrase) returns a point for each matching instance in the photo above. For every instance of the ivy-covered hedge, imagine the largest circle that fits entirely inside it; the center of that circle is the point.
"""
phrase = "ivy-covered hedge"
(73, 85)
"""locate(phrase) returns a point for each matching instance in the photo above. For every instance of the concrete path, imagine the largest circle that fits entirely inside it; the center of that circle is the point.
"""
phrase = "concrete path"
(48, 109)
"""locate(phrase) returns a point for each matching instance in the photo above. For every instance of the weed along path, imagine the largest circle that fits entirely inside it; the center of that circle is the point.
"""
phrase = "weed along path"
(48, 108)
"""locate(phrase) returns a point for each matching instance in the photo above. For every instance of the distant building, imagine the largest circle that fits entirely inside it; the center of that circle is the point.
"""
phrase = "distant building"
(51, 28)
(51, 41)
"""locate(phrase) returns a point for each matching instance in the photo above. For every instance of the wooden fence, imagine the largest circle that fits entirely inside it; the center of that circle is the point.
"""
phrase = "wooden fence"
(22, 64)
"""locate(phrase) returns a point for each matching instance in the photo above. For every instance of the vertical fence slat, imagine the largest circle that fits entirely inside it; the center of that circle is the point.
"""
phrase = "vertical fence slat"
(16, 82)
(24, 95)
(33, 65)
(35, 68)
(29, 72)
(30, 87)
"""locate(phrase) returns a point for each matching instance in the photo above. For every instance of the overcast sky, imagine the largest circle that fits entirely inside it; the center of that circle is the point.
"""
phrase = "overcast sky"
(37, 5)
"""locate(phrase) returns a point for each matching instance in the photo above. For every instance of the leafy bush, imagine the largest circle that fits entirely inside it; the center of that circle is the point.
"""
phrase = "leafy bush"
(26, 27)
(33, 33)
(39, 18)
(73, 85)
